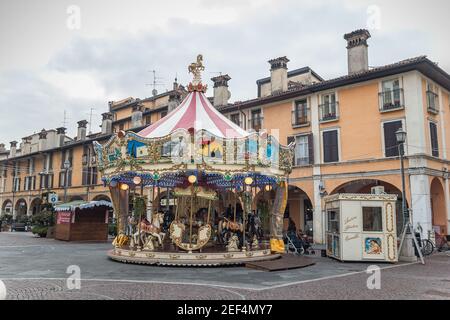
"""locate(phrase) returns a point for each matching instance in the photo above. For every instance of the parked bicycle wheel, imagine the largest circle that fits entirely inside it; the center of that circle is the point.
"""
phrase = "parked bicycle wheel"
(427, 247)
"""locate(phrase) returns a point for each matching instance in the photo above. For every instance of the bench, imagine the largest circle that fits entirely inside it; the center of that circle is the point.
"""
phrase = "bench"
(18, 226)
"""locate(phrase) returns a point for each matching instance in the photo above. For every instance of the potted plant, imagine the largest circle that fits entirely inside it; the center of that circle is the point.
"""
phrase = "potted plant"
(42, 223)
(5, 221)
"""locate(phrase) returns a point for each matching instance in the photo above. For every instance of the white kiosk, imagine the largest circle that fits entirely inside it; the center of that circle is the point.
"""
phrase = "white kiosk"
(361, 227)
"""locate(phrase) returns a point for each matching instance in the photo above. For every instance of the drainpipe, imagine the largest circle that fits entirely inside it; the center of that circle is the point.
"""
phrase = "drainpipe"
(245, 117)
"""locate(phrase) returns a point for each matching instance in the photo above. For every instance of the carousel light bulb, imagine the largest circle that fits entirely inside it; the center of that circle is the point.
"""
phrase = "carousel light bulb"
(267, 187)
(137, 180)
(248, 180)
(192, 179)
(124, 186)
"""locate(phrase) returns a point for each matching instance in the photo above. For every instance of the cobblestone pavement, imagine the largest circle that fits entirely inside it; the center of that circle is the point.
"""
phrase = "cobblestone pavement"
(35, 268)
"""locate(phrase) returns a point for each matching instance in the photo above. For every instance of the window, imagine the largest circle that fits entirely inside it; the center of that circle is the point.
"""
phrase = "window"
(329, 107)
(256, 120)
(16, 184)
(235, 118)
(330, 146)
(300, 113)
(372, 219)
(148, 119)
(432, 98)
(333, 220)
(89, 176)
(304, 152)
(46, 181)
(434, 140)
(390, 140)
(391, 96)
(163, 114)
(62, 178)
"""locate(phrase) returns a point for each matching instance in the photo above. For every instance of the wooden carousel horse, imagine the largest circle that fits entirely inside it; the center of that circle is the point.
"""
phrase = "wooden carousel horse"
(147, 231)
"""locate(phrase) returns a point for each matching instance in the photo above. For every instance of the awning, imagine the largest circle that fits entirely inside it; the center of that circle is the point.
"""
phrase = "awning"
(80, 204)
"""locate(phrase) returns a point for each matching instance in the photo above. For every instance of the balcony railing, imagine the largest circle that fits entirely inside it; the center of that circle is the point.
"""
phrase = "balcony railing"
(256, 123)
(329, 111)
(299, 119)
(432, 102)
(391, 100)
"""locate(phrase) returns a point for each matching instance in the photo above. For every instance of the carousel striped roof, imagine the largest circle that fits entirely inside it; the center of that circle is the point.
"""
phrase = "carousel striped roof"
(195, 112)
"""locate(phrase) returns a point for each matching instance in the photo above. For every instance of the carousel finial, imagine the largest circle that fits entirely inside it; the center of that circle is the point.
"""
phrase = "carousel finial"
(195, 68)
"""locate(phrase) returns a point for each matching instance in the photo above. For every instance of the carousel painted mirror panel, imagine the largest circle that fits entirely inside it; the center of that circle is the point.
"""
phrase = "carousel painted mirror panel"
(207, 170)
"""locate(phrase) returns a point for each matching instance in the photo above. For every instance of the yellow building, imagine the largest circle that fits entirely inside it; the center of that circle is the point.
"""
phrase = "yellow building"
(37, 165)
(344, 130)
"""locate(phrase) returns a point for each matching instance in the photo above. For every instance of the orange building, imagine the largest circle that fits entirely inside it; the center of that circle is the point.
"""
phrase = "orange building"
(344, 130)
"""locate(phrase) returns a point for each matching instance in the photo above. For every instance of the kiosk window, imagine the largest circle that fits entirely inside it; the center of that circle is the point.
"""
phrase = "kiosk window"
(372, 219)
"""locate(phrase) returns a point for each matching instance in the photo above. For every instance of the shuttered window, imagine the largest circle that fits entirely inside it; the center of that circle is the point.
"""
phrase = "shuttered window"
(330, 146)
(434, 140)
(390, 140)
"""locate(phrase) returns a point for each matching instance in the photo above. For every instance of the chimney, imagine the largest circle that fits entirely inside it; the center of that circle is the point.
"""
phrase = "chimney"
(357, 51)
(221, 92)
(107, 122)
(81, 133)
(42, 139)
(278, 74)
(13, 149)
(174, 100)
(136, 116)
(26, 146)
(60, 136)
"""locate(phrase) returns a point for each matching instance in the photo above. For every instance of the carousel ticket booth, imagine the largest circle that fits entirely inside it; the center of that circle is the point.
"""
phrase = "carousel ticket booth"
(361, 227)
(196, 174)
(82, 221)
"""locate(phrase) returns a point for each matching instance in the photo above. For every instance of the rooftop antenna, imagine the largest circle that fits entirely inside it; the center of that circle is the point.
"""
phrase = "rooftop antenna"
(64, 123)
(90, 120)
(155, 82)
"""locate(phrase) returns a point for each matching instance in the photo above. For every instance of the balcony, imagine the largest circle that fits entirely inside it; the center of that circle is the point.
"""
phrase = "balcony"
(329, 112)
(391, 100)
(299, 119)
(255, 123)
(432, 102)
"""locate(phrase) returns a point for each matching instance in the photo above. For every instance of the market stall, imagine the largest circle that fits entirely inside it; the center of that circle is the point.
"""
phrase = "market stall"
(183, 188)
(82, 221)
(361, 227)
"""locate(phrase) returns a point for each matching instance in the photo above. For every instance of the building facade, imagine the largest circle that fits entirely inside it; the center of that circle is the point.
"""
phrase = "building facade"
(344, 130)
(50, 161)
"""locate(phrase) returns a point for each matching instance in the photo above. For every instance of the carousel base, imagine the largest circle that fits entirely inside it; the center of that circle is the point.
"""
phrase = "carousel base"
(194, 259)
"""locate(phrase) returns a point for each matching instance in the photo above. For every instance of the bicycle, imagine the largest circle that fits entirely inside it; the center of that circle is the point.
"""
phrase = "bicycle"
(426, 246)
(441, 242)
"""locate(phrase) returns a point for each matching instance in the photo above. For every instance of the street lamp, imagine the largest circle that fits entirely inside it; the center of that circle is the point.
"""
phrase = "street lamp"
(66, 168)
(400, 136)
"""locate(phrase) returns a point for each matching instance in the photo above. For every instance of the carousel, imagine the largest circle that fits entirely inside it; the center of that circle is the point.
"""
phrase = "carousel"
(185, 189)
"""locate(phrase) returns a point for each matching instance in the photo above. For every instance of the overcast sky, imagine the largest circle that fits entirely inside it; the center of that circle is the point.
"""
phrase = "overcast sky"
(48, 65)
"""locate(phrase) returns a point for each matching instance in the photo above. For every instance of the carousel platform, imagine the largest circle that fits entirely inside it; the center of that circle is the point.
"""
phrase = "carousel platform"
(186, 259)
